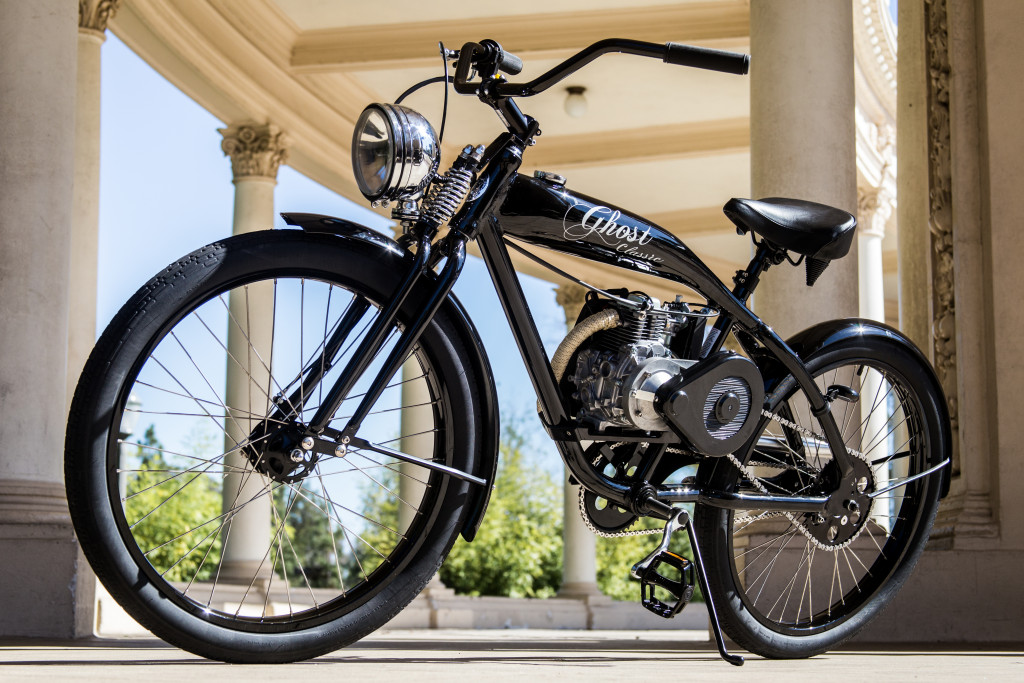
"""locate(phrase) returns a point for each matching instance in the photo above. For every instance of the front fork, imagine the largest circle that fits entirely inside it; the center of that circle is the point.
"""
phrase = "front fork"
(377, 335)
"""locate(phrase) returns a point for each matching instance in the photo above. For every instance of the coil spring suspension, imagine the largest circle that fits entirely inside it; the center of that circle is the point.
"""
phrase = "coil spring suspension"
(447, 191)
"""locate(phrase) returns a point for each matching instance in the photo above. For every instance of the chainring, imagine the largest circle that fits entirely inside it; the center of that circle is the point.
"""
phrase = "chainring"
(615, 461)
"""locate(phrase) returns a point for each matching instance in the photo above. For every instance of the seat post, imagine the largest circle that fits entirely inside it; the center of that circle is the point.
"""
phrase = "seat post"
(764, 258)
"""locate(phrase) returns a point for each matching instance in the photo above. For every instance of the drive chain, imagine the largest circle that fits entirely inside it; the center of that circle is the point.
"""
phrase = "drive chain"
(748, 472)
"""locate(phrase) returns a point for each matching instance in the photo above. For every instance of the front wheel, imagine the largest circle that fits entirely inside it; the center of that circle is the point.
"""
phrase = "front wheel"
(204, 519)
(795, 585)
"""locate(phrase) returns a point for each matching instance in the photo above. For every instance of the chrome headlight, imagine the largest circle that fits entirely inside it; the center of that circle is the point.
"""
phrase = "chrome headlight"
(394, 153)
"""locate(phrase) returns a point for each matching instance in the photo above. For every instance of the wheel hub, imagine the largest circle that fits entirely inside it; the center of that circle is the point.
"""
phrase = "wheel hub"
(847, 510)
(286, 456)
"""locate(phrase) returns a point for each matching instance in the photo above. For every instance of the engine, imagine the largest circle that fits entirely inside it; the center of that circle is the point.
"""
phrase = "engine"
(647, 373)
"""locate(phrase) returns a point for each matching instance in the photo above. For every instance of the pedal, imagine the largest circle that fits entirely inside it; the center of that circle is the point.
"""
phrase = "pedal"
(647, 570)
(681, 590)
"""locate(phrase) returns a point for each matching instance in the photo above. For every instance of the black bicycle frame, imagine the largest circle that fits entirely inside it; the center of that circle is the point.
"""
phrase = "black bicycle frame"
(506, 205)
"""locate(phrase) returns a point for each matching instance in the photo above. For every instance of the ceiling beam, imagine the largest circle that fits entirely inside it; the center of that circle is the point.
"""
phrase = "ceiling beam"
(699, 138)
(707, 221)
(405, 45)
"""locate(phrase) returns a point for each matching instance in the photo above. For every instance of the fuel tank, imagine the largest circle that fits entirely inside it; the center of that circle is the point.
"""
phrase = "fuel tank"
(545, 213)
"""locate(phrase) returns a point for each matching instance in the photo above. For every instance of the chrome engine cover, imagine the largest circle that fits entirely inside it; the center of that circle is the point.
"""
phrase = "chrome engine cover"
(617, 388)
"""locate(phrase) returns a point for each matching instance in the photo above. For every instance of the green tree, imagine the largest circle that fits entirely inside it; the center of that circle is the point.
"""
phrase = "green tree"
(376, 539)
(518, 549)
(173, 508)
(309, 545)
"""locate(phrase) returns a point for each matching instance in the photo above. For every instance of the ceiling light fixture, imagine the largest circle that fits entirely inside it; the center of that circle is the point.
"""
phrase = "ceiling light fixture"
(575, 102)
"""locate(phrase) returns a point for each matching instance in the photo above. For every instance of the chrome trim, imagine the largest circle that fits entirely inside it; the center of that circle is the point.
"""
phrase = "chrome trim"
(760, 501)
(362, 444)
(904, 482)
(417, 154)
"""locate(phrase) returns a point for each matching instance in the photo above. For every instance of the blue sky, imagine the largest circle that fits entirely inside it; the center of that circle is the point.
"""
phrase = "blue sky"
(165, 190)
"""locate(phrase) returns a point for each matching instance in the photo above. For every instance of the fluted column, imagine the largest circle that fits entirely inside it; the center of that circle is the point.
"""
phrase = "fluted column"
(579, 550)
(874, 208)
(417, 426)
(45, 587)
(802, 142)
(93, 16)
(256, 152)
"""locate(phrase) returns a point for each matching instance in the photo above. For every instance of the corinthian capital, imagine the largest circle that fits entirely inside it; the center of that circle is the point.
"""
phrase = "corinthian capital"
(874, 207)
(571, 297)
(93, 15)
(255, 149)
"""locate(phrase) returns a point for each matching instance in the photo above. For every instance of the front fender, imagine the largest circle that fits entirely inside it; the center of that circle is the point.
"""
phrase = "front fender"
(821, 338)
(488, 401)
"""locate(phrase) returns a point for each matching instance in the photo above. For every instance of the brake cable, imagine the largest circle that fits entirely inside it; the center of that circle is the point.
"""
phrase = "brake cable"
(446, 79)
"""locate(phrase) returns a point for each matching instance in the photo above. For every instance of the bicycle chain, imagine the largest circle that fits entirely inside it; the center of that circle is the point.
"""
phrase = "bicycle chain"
(753, 480)
(789, 515)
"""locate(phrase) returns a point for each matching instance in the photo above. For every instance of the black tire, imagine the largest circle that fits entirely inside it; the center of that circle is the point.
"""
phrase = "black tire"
(771, 596)
(331, 571)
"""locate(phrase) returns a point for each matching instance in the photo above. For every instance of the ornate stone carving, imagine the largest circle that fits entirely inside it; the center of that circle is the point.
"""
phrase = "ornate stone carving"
(93, 15)
(570, 296)
(940, 198)
(255, 149)
(874, 36)
(867, 202)
(875, 205)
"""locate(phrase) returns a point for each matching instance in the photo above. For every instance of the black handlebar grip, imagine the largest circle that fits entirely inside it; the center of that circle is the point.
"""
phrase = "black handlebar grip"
(510, 64)
(502, 61)
(706, 58)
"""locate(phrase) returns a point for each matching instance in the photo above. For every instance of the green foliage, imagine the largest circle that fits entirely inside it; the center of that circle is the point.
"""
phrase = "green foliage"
(180, 538)
(518, 549)
(309, 547)
(377, 538)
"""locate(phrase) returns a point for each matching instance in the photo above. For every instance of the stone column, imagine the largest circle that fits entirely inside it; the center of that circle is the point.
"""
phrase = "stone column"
(417, 439)
(45, 587)
(874, 207)
(579, 552)
(802, 142)
(93, 16)
(256, 152)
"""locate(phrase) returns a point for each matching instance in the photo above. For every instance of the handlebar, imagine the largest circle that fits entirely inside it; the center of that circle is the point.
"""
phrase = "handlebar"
(706, 58)
(488, 58)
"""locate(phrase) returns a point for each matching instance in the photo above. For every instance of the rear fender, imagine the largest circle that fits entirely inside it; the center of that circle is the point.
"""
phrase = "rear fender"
(823, 337)
(486, 396)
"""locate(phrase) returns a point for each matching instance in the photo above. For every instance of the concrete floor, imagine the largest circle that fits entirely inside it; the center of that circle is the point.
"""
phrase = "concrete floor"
(498, 655)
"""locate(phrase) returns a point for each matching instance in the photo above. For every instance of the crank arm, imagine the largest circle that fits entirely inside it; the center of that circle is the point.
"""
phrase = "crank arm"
(364, 445)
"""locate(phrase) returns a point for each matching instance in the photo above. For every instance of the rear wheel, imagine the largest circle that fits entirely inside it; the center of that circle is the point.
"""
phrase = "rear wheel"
(795, 585)
(225, 540)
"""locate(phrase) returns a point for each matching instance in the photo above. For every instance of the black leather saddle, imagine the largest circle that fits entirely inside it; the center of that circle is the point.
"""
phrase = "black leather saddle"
(819, 232)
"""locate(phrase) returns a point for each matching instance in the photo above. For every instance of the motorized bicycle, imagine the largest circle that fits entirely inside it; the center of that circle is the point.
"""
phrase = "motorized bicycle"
(331, 354)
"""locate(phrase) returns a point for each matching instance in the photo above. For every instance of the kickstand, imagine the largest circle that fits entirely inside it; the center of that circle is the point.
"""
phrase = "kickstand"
(679, 518)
